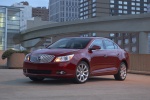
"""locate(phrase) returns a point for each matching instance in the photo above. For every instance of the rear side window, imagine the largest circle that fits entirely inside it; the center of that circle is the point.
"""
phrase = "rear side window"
(109, 44)
(116, 47)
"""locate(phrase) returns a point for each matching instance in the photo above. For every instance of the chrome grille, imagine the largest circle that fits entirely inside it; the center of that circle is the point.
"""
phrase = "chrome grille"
(41, 58)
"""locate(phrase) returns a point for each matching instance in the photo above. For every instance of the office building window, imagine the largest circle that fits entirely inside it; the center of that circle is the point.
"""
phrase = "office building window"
(112, 34)
(120, 2)
(94, 5)
(81, 17)
(112, 1)
(81, 9)
(133, 8)
(134, 40)
(94, 14)
(93, 0)
(125, 12)
(111, 6)
(137, 12)
(137, 4)
(134, 49)
(133, 12)
(145, 9)
(81, 14)
(125, 7)
(81, 1)
(126, 41)
(145, 0)
(94, 9)
(145, 5)
(137, 8)
(81, 5)
(119, 11)
(125, 3)
(119, 42)
(86, 3)
(120, 7)
(133, 3)
(93, 34)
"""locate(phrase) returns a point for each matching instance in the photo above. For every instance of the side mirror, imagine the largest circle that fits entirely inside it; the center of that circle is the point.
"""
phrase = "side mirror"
(94, 47)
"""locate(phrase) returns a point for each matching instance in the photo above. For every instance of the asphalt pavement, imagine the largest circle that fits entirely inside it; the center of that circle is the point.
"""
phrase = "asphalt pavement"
(15, 86)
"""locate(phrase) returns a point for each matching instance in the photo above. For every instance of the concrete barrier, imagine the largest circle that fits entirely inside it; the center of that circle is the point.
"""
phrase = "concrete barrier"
(15, 61)
(140, 63)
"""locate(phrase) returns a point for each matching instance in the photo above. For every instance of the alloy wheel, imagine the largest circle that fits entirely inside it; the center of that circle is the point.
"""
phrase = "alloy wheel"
(82, 72)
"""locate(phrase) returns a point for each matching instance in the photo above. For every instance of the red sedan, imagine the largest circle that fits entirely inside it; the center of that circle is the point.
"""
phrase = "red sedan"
(77, 58)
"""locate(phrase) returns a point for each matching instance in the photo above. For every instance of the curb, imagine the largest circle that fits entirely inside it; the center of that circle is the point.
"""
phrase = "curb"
(139, 72)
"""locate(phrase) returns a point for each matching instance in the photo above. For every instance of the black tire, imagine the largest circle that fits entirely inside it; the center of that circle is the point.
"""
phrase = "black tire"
(36, 79)
(82, 72)
(122, 72)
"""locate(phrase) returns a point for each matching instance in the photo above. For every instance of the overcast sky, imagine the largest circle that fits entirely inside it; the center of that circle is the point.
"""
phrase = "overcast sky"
(33, 3)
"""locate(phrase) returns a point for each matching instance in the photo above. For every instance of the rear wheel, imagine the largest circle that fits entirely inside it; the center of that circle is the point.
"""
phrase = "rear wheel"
(36, 79)
(82, 72)
(122, 72)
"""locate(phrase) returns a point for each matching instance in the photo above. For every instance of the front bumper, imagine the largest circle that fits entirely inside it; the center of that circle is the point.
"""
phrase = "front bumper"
(49, 70)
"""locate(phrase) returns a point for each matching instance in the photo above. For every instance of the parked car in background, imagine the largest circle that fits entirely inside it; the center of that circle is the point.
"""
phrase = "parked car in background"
(77, 58)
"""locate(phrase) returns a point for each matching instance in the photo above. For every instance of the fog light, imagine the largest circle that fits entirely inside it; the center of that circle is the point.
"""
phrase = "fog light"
(61, 72)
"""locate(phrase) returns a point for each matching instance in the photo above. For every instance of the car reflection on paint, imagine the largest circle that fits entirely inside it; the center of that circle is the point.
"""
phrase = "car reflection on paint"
(77, 58)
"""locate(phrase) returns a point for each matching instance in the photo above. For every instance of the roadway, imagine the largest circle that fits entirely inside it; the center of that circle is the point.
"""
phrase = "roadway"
(15, 86)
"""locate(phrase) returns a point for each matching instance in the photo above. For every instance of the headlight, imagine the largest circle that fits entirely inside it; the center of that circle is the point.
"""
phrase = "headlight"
(27, 57)
(64, 58)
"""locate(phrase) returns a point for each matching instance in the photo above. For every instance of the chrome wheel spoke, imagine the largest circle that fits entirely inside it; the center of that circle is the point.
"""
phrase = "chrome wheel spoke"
(82, 72)
(123, 72)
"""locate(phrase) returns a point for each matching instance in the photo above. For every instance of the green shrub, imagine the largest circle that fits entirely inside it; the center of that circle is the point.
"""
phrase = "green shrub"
(9, 52)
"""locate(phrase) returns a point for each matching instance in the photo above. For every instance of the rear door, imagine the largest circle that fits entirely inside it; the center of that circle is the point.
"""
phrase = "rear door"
(111, 54)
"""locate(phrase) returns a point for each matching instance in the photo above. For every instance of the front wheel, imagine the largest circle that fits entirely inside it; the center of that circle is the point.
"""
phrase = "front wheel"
(122, 72)
(82, 72)
(36, 79)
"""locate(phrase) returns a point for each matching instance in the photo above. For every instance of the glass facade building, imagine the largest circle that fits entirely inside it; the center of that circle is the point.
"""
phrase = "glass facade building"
(9, 26)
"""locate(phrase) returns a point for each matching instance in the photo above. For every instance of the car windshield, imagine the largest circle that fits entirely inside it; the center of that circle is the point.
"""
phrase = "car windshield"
(71, 43)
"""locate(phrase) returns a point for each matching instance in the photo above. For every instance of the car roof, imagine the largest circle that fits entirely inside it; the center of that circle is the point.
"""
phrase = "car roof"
(88, 37)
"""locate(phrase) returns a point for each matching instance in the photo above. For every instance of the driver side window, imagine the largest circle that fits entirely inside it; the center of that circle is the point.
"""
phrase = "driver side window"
(98, 42)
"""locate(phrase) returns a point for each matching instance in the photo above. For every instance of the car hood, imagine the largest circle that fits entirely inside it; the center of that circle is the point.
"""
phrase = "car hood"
(55, 52)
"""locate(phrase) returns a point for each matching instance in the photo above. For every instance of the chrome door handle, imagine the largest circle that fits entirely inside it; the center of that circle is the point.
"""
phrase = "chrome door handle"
(105, 56)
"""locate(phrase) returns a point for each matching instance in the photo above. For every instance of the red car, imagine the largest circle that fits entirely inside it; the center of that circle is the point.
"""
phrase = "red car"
(77, 58)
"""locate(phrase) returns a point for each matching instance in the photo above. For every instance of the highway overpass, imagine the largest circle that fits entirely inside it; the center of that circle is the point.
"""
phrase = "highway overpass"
(128, 23)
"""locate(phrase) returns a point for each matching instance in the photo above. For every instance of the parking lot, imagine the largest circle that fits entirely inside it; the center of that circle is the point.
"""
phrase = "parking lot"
(15, 86)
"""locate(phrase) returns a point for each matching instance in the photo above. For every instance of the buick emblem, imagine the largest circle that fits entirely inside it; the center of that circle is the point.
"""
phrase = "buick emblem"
(39, 58)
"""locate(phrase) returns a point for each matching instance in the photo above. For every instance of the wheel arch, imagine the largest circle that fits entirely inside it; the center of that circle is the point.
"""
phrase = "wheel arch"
(124, 61)
(85, 60)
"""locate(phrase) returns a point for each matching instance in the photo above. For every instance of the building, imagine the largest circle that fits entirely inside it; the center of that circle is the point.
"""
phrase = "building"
(93, 8)
(41, 12)
(123, 7)
(26, 14)
(9, 26)
(63, 10)
(98, 8)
